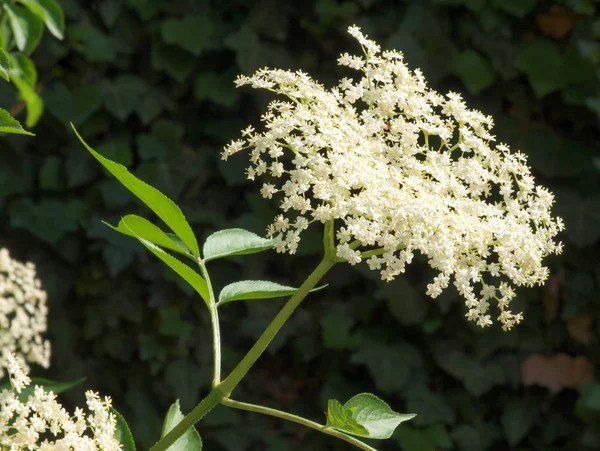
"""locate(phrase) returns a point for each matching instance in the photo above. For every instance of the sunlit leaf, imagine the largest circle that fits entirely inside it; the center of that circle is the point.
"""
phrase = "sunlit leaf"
(27, 27)
(365, 415)
(235, 242)
(190, 440)
(9, 124)
(50, 12)
(256, 289)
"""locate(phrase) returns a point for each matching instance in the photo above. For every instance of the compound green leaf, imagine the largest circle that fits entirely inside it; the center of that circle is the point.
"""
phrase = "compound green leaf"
(190, 441)
(9, 124)
(255, 289)
(26, 26)
(365, 415)
(160, 204)
(123, 433)
(50, 12)
(186, 273)
(5, 65)
(34, 103)
(235, 242)
(149, 232)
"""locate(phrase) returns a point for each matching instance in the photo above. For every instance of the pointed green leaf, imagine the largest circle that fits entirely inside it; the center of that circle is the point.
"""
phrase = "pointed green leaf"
(190, 441)
(148, 231)
(256, 289)
(186, 273)
(5, 65)
(27, 28)
(123, 433)
(160, 204)
(47, 384)
(235, 242)
(50, 12)
(34, 103)
(364, 415)
(9, 124)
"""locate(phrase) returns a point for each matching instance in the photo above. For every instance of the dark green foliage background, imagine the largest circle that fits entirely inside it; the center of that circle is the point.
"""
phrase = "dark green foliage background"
(149, 83)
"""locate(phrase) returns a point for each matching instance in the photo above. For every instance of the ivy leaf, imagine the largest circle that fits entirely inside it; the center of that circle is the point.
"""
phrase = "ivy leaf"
(256, 289)
(474, 70)
(190, 441)
(9, 124)
(541, 61)
(190, 33)
(5, 65)
(149, 232)
(50, 12)
(365, 415)
(186, 273)
(160, 204)
(235, 242)
(123, 433)
(27, 27)
(35, 105)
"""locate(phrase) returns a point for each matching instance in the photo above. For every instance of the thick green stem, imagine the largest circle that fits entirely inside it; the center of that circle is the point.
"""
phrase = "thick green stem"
(296, 419)
(216, 330)
(205, 406)
(231, 381)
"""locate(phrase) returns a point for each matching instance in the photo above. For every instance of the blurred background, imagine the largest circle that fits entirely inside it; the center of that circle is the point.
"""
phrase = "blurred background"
(149, 83)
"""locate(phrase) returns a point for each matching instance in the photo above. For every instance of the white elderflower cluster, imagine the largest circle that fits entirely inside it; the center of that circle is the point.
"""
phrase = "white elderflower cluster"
(23, 314)
(402, 169)
(41, 423)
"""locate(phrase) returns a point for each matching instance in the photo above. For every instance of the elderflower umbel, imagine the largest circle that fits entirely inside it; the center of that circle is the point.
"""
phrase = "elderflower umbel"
(23, 314)
(41, 423)
(401, 168)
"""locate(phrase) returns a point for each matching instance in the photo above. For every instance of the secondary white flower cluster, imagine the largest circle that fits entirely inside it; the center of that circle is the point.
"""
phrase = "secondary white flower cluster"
(28, 425)
(23, 314)
(401, 168)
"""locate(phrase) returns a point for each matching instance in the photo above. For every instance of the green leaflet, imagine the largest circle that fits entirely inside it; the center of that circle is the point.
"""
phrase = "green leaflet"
(50, 12)
(234, 242)
(187, 273)
(123, 433)
(256, 289)
(9, 124)
(149, 232)
(364, 415)
(160, 204)
(5, 65)
(26, 26)
(190, 441)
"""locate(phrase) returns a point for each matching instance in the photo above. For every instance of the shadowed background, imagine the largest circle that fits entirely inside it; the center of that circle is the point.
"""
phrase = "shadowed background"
(149, 83)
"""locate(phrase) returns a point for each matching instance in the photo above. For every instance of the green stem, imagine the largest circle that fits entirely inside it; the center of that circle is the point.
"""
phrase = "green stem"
(231, 381)
(216, 330)
(224, 388)
(205, 406)
(295, 419)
